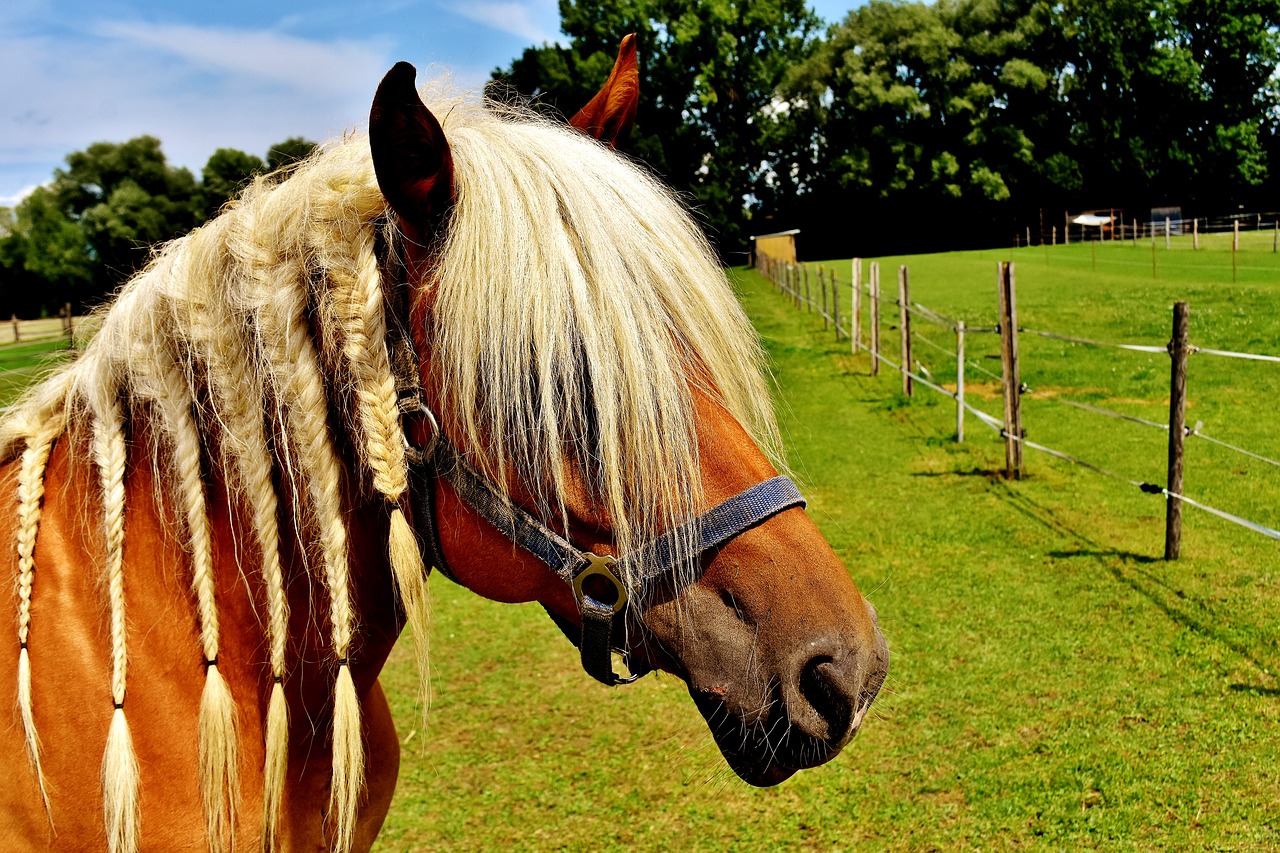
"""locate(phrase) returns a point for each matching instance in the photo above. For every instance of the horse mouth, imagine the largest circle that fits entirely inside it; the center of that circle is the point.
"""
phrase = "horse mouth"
(769, 751)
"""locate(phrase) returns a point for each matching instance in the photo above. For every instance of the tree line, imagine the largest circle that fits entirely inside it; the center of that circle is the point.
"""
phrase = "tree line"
(908, 126)
(913, 126)
(77, 238)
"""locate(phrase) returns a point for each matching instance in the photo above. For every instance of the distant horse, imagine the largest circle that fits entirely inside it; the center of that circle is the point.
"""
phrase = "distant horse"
(471, 335)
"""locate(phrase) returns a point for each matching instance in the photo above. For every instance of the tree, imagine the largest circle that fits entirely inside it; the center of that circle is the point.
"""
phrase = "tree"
(226, 173)
(123, 198)
(288, 152)
(709, 73)
(53, 248)
(920, 111)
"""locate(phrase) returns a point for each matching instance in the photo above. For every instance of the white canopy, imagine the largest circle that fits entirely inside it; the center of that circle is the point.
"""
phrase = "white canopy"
(1091, 219)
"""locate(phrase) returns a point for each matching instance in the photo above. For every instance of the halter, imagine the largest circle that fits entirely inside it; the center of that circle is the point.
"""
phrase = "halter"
(596, 580)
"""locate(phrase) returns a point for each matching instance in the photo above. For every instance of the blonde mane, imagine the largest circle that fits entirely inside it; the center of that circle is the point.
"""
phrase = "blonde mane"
(574, 304)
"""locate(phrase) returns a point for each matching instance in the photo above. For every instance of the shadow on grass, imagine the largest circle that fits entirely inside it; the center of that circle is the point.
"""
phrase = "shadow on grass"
(1128, 569)
(1254, 689)
(992, 474)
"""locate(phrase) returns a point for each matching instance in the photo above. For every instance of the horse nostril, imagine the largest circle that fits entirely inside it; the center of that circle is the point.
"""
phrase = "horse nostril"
(821, 686)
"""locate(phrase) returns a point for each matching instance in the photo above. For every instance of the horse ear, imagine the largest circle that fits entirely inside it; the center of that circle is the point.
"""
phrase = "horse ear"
(610, 114)
(410, 154)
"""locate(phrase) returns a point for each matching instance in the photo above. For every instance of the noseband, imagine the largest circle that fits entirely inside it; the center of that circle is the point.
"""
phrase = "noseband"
(596, 580)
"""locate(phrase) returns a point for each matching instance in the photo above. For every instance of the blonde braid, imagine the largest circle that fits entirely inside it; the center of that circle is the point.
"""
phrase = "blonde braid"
(226, 346)
(35, 458)
(119, 762)
(357, 296)
(300, 387)
(239, 402)
(219, 769)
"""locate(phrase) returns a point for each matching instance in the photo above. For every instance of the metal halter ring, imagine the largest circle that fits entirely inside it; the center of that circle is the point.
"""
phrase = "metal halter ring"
(430, 446)
(601, 593)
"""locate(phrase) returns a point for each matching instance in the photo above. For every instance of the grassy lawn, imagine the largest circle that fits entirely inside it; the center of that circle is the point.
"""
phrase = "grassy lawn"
(23, 364)
(1054, 686)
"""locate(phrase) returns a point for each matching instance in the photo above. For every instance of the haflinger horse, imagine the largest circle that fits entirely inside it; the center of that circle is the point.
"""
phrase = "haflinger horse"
(472, 336)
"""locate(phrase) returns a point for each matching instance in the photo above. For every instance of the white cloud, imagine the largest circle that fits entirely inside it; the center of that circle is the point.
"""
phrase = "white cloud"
(72, 82)
(265, 56)
(197, 89)
(517, 19)
(16, 199)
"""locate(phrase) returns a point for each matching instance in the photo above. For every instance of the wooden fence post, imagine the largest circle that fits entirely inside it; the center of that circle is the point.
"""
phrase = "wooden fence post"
(70, 321)
(1007, 287)
(835, 303)
(1055, 236)
(875, 318)
(960, 381)
(822, 283)
(1028, 236)
(1166, 233)
(855, 324)
(904, 328)
(1178, 351)
(1275, 237)
(1235, 248)
(1195, 235)
(16, 334)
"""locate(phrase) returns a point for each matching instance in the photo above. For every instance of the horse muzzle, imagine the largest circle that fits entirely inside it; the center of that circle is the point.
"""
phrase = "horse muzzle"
(776, 699)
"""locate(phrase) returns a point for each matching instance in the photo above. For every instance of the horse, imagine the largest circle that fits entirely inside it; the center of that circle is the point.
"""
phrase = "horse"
(473, 339)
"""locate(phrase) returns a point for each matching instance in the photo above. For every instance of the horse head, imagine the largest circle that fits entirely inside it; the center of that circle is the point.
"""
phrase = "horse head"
(781, 653)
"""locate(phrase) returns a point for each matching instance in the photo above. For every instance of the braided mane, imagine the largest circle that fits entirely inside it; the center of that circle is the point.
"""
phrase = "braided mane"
(573, 304)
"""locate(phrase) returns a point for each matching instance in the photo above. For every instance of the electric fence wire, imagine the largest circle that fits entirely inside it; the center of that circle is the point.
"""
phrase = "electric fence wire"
(1191, 431)
(1229, 354)
(1148, 488)
(1092, 343)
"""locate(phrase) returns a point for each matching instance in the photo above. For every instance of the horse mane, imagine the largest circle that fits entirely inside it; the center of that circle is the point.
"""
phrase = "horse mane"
(574, 303)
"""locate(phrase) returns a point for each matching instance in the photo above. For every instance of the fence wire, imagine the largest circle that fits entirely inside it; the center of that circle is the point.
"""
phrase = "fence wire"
(997, 425)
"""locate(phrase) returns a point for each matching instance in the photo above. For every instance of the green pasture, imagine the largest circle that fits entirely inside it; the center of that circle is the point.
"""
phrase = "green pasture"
(23, 364)
(1054, 685)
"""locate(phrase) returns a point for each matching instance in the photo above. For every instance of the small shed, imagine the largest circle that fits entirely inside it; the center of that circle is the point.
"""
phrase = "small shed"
(780, 245)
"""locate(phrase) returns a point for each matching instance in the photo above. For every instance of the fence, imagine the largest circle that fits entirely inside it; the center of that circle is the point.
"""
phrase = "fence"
(794, 281)
(19, 331)
(1218, 243)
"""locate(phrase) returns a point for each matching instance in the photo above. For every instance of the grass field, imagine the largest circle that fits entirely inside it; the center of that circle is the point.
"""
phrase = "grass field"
(23, 364)
(1054, 686)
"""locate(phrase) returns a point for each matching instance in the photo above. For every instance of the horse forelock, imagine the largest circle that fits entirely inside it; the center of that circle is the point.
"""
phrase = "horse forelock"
(575, 302)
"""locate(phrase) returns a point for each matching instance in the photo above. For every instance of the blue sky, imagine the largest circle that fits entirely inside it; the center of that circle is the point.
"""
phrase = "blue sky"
(232, 73)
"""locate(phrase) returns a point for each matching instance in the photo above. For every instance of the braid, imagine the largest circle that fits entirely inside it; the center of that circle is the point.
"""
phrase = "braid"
(119, 762)
(300, 388)
(356, 293)
(225, 345)
(30, 499)
(219, 770)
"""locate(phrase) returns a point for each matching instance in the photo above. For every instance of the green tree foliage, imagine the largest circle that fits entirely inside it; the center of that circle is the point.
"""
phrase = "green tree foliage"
(709, 73)
(288, 152)
(95, 224)
(226, 173)
(977, 112)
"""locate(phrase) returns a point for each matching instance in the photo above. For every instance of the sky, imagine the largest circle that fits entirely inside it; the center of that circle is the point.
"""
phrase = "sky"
(233, 73)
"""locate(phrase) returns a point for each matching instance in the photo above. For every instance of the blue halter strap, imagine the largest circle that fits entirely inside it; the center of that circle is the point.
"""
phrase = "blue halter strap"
(596, 580)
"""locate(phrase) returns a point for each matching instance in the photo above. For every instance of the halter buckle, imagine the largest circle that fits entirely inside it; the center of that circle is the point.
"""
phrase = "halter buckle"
(598, 582)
